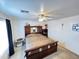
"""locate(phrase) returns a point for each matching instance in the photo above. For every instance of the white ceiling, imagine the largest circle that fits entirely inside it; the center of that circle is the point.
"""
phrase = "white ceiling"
(58, 8)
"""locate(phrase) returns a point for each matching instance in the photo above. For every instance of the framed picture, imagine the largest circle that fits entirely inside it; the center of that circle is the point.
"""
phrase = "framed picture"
(75, 27)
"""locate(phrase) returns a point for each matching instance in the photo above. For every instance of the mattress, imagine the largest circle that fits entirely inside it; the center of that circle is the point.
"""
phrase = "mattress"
(37, 40)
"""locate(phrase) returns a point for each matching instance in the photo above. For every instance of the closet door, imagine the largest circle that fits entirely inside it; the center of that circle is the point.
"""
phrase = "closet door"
(9, 32)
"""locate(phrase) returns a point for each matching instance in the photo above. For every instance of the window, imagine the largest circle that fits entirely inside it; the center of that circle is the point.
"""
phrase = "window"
(3, 37)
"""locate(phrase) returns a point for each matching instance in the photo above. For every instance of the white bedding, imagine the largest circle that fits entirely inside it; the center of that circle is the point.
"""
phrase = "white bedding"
(36, 40)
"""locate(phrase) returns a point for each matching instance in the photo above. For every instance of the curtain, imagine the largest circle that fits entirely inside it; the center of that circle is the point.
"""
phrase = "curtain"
(10, 40)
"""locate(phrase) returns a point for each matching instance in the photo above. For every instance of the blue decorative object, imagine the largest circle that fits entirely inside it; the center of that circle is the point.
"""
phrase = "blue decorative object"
(75, 27)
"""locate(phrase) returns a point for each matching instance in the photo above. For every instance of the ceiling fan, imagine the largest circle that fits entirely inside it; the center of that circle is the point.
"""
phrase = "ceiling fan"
(42, 15)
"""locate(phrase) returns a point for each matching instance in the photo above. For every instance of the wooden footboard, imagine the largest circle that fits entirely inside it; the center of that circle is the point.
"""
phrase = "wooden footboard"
(41, 52)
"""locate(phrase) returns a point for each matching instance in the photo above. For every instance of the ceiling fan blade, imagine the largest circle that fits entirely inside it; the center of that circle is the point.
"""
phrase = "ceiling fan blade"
(54, 13)
(50, 18)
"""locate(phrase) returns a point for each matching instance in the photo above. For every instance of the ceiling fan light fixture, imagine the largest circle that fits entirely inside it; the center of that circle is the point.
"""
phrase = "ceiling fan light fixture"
(42, 19)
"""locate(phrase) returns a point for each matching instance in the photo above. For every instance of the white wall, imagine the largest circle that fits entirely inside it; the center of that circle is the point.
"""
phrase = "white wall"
(64, 34)
(4, 47)
(18, 27)
(2, 16)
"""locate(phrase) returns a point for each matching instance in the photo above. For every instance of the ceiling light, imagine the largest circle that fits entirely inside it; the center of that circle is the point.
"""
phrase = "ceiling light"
(42, 19)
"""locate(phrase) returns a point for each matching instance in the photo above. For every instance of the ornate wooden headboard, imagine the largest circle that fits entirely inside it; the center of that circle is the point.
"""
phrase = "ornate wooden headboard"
(32, 29)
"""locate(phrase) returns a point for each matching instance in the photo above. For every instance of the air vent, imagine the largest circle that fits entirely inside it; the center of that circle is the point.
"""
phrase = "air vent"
(24, 11)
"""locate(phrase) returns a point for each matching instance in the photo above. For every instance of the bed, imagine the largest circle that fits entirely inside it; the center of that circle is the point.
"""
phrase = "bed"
(39, 46)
